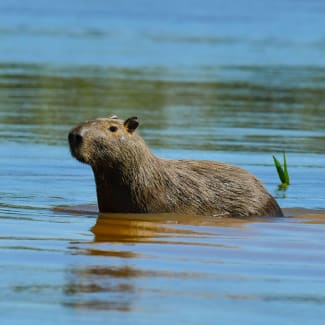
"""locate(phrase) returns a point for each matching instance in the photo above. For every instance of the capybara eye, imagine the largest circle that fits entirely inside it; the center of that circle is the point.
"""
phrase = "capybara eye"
(113, 128)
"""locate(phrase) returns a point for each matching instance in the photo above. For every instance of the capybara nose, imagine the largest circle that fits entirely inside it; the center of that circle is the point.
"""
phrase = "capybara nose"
(75, 139)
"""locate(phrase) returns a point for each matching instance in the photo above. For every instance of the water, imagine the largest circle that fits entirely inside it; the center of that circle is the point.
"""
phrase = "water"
(234, 82)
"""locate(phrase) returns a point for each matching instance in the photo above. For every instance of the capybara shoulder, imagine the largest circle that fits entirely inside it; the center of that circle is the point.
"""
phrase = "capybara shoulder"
(129, 178)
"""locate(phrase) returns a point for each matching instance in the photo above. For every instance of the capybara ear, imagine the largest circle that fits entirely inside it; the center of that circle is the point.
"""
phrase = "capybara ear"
(131, 124)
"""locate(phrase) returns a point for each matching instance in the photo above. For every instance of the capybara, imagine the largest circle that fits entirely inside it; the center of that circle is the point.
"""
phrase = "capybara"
(130, 179)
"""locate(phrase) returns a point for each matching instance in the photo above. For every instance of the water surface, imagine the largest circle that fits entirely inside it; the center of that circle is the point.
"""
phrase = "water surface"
(208, 80)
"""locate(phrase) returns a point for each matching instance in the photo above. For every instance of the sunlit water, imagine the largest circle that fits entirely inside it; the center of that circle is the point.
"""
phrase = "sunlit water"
(227, 81)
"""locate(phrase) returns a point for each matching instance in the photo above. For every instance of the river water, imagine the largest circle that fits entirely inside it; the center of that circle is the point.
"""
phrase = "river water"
(218, 80)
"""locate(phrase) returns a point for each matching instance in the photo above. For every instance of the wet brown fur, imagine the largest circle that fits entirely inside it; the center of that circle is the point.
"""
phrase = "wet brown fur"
(129, 178)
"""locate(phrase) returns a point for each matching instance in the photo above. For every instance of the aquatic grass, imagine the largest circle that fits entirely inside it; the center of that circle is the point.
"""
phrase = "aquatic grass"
(282, 171)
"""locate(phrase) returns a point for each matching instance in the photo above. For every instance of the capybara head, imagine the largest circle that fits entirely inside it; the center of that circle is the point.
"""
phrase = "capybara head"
(106, 141)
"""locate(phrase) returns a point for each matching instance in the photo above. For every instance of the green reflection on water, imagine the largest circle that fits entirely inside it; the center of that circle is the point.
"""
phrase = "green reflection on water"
(40, 103)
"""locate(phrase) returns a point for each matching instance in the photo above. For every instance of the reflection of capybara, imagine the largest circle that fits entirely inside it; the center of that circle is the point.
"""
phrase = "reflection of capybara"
(129, 178)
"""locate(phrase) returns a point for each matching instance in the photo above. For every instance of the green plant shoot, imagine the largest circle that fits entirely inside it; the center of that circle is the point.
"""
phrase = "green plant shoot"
(282, 171)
